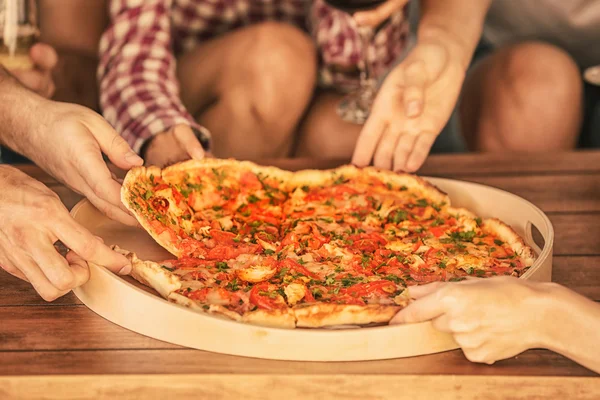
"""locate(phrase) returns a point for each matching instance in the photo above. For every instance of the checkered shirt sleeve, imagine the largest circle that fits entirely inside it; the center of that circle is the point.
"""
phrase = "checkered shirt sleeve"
(139, 93)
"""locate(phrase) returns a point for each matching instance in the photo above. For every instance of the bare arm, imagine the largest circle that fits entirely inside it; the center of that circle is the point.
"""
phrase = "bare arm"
(419, 95)
(573, 327)
(458, 23)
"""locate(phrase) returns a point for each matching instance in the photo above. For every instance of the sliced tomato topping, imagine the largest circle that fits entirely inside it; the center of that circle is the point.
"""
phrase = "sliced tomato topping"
(437, 231)
(199, 294)
(227, 252)
(250, 181)
(295, 266)
(290, 239)
(222, 237)
(161, 187)
(308, 297)
(177, 196)
(384, 287)
(263, 300)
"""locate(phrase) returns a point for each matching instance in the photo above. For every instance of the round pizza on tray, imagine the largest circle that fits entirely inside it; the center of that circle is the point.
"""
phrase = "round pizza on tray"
(307, 249)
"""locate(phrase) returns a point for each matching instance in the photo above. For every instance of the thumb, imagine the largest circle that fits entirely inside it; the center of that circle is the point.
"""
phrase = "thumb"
(419, 291)
(114, 146)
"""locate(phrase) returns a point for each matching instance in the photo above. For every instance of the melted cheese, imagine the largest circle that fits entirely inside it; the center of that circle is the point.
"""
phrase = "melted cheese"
(167, 194)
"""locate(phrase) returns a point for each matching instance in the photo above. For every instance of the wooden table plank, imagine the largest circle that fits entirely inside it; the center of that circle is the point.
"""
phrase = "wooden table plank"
(188, 361)
(576, 234)
(57, 328)
(486, 164)
(551, 193)
(261, 387)
(447, 164)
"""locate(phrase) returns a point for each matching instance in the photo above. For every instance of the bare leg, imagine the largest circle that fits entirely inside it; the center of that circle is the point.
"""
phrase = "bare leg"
(323, 134)
(250, 88)
(525, 97)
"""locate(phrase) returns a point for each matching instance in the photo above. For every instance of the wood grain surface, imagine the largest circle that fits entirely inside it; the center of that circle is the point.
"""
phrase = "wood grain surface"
(64, 349)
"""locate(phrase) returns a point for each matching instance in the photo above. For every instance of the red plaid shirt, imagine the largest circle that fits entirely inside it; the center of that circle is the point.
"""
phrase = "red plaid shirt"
(139, 93)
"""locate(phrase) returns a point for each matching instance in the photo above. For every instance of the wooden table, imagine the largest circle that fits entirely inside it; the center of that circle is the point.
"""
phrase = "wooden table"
(63, 347)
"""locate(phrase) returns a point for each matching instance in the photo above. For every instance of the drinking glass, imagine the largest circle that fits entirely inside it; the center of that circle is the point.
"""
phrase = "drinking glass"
(18, 32)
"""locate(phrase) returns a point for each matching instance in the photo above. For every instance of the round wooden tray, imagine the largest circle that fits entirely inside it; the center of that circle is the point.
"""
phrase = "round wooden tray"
(132, 306)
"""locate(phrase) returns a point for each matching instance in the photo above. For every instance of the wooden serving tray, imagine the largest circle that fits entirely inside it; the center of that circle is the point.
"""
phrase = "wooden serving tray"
(132, 306)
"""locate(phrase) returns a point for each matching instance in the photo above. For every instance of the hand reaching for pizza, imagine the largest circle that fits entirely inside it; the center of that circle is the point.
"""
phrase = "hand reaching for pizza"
(411, 108)
(376, 16)
(67, 141)
(33, 218)
(39, 79)
(491, 319)
(177, 144)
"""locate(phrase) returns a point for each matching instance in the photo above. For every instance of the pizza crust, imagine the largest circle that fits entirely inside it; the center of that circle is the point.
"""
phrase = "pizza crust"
(151, 274)
(324, 314)
(508, 235)
(133, 176)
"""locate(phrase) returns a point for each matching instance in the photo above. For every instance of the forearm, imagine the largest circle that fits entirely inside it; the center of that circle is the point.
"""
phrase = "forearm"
(458, 23)
(573, 327)
(19, 112)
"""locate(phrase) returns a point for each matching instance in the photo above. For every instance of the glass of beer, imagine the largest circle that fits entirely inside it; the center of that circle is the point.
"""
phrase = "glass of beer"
(19, 31)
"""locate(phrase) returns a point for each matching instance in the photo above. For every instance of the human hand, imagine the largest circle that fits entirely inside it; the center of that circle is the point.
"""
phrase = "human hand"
(177, 144)
(491, 319)
(373, 18)
(67, 141)
(412, 107)
(33, 218)
(39, 79)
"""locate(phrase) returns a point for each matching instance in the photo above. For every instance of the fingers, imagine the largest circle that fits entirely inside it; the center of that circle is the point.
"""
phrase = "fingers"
(419, 291)
(375, 17)
(368, 139)
(36, 277)
(425, 309)
(113, 145)
(43, 56)
(88, 247)
(421, 148)
(101, 189)
(404, 148)
(52, 265)
(188, 141)
(11, 269)
(79, 266)
(384, 155)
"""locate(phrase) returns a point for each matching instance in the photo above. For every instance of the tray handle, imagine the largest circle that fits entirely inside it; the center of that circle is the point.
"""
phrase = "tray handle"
(530, 231)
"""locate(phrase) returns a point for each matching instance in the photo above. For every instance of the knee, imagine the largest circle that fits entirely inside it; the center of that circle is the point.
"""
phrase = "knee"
(282, 65)
(538, 101)
(541, 74)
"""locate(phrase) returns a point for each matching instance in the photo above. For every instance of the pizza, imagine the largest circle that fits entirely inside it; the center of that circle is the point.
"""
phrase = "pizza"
(307, 249)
